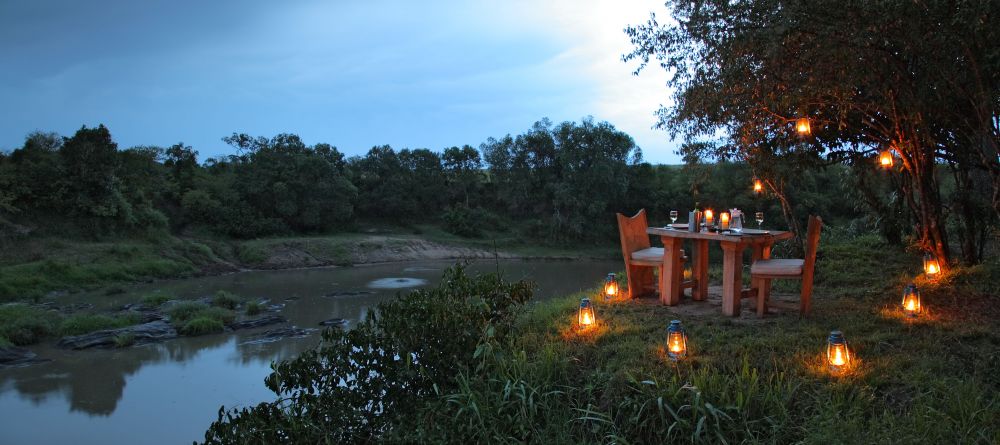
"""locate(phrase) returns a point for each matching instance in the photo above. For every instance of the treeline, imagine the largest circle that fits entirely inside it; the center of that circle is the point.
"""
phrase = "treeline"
(554, 183)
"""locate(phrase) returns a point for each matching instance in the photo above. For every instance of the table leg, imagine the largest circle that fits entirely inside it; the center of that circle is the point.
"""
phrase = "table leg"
(699, 269)
(732, 277)
(670, 279)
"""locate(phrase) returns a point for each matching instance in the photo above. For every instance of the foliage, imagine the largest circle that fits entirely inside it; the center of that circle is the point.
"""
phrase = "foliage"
(253, 307)
(201, 325)
(22, 324)
(868, 77)
(154, 300)
(78, 324)
(372, 377)
(226, 300)
(185, 311)
(124, 340)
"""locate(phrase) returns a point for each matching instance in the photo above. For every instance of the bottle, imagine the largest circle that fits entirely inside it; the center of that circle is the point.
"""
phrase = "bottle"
(694, 218)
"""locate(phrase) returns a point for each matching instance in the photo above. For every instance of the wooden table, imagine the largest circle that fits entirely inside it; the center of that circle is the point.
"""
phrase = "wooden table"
(732, 263)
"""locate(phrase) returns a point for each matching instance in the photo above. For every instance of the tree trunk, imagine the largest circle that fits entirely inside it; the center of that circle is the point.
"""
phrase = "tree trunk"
(925, 200)
(778, 188)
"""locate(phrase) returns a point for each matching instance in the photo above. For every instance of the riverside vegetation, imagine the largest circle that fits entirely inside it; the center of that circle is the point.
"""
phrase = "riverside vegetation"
(470, 362)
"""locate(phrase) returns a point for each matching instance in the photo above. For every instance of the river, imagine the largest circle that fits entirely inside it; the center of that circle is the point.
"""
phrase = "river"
(170, 392)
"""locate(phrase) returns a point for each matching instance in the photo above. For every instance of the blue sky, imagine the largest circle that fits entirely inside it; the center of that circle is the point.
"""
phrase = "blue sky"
(353, 74)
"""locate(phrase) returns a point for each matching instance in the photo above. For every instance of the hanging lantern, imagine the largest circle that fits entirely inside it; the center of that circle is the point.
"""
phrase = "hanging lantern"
(586, 318)
(802, 126)
(911, 300)
(610, 286)
(758, 186)
(676, 341)
(931, 265)
(838, 356)
(885, 159)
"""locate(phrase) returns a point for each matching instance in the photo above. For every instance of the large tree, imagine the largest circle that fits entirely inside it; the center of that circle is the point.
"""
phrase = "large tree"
(919, 78)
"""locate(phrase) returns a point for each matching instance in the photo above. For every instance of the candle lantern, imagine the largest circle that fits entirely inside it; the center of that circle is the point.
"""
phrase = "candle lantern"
(758, 186)
(885, 159)
(838, 356)
(802, 126)
(586, 317)
(610, 286)
(676, 341)
(911, 300)
(709, 217)
(931, 265)
(724, 221)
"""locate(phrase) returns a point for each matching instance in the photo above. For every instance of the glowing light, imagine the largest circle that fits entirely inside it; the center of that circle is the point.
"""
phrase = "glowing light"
(802, 126)
(709, 217)
(837, 354)
(931, 265)
(758, 186)
(586, 317)
(676, 341)
(610, 286)
(885, 159)
(911, 300)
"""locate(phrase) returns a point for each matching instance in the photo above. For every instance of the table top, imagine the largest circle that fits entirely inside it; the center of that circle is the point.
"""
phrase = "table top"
(748, 237)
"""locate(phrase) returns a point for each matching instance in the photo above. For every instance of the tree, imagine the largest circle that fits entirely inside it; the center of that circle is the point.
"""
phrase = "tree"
(919, 79)
(90, 159)
(463, 167)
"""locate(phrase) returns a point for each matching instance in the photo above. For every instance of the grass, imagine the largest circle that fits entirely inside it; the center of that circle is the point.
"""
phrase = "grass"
(226, 300)
(124, 340)
(155, 300)
(202, 325)
(21, 324)
(253, 307)
(929, 380)
(196, 318)
(79, 324)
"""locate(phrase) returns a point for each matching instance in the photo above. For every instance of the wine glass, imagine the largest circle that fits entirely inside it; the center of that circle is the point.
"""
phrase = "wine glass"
(673, 216)
(759, 216)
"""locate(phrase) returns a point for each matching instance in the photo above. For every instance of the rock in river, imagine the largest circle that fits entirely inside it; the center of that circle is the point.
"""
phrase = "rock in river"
(14, 356)
(257, 322)
(153, 331)
(276, 334)
(339, 322)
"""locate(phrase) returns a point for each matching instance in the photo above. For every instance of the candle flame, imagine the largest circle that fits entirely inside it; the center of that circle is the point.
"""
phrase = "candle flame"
(758, 186)
(932, 268)
(587, 320)
(885, 159)
(839, 358)
(802, 126)
(911, 304)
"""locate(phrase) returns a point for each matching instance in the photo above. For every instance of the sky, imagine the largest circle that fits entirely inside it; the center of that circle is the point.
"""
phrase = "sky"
(354, 74)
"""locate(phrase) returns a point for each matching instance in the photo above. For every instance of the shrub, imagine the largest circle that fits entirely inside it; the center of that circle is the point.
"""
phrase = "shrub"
(406, 353)
(154, 300)
(226, 300)
(184, 311)
(24, 325)
(4, 343)
(253, 307)
(79, 324)
(202, 325)
(124, 340)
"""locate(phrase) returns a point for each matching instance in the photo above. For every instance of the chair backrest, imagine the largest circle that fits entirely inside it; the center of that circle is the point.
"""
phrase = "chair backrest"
(632, 231)
(812, 243)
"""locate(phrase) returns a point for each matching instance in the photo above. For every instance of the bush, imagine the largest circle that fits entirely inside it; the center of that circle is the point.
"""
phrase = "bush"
(253, 307)
(79, 324)
(184, 311)
(225, 300)
(202, 325)
(463, 221)
(154, 300)
(124, 340)
(24, 325)
(408, 351)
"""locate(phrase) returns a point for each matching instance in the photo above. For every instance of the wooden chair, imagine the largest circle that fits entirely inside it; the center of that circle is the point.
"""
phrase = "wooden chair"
(640, 258)
(795, 269)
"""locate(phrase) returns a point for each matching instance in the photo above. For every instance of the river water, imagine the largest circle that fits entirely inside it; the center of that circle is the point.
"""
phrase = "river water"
(170, 392)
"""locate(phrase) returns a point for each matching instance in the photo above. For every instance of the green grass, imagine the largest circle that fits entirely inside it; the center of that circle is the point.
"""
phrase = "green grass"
(253, 307)
(929, 380)
(226, 300)
(183, 314)
(202, 325)
(155, 300)
(79, 324)
(124, 340)
(21, 324)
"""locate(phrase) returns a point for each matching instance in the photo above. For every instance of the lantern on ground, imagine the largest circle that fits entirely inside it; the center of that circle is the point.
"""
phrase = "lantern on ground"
(838, 356)
(610, 286)
(802, 126)
(885, 159)
(586, 318)
(911, 300)
(758, 186)
(931, 265)
(676, 341)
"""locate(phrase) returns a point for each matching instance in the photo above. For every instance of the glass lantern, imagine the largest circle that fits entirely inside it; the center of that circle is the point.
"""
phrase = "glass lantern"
(610, 286)
(838, 356)
(911, 300)
(586, 317)
(931, 265)
(676, 341)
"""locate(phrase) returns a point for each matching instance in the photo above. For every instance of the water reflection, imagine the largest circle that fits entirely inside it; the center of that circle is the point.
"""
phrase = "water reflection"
(175, 388)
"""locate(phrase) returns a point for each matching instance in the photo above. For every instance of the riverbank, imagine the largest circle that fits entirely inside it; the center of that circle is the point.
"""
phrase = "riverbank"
(34, 270)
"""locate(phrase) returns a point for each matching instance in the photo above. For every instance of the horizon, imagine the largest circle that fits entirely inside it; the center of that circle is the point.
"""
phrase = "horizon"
(354, 76)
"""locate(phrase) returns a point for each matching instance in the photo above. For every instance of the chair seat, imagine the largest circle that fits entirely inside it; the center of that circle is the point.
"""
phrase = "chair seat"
(783, 267)
(648, 254)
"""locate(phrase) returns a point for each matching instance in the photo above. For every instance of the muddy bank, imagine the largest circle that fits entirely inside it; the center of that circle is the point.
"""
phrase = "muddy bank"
(374, 249)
